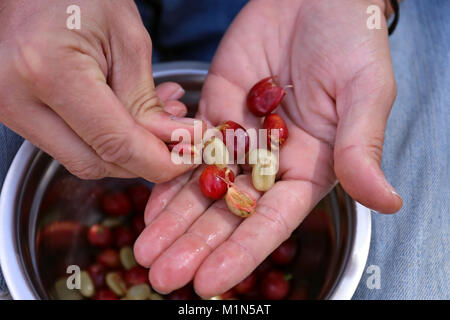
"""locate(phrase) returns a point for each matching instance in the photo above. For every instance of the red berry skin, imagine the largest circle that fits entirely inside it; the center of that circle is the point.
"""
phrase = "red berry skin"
(138, 223)
(97, 271)
(109, 258)
(139, 195)
(182, 148)
(264, 97)
(274, 285)
(239, 132)
(213, 181)
(136, 275)
(275, 121)
(247, 284)
(105, 294)
(124, 236)
(184, 293)
(264, 267)
(116, 204)
(285, 253)
(227, 295)
(61, 236)
(100, 236)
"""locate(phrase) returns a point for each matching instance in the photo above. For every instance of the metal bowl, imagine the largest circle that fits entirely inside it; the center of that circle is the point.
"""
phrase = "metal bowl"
(34, 174)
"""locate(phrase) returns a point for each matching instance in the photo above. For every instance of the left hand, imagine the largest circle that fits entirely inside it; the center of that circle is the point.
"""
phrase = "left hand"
(336, 114)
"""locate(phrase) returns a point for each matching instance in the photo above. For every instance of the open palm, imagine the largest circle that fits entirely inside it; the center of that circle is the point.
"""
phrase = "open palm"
(336, 112)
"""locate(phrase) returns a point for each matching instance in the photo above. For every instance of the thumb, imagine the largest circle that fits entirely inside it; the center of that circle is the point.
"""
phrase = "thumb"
(359, 144)
(133, 83)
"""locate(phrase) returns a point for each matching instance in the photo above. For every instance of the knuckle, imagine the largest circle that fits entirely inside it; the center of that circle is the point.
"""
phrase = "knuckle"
(275, 219)
(139, 41)
(163, 176)
(29, 60)
(113, 147)
(87, 170)
(144, 99)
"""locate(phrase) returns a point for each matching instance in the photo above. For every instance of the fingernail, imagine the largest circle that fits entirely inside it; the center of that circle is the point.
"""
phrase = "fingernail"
(395, 193)
(188, 121)
(177, 94)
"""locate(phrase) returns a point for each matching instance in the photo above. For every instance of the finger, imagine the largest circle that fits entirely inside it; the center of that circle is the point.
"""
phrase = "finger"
(176, 108)
(359, 142)
(177, 265)
(136, 89)
(93, 111)
(162, 194)
(169, 91)
(65, 146)
(172, 222)
(278, 212)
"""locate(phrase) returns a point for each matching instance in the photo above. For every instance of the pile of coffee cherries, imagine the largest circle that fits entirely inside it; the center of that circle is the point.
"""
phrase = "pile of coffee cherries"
(217, 179)
(112, 273)
(102, 248)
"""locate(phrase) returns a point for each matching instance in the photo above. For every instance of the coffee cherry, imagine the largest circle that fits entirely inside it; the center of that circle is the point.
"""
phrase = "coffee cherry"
(139, 195)
(274, 285)
(110, 258)
(124, 236)
(116, 204)
(136, 275)
(97, 271)
(240, 143)
(247, 284)
(100, 236)
(214, 181)
(271, 122)
(264, 97)
(285, 253)
(105, 294)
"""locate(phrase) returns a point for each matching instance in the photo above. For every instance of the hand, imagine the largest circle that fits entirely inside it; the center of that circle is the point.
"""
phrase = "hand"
(343, 90)
(87, 96)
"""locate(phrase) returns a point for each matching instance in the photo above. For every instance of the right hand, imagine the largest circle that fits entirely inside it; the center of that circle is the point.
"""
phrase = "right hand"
(87, 97)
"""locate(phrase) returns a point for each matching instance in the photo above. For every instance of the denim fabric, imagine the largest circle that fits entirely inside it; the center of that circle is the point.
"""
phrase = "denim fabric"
(411, 247)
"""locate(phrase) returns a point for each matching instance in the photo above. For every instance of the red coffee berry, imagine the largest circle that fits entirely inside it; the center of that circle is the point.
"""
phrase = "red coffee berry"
(124, 236)
(227, 295)
(110, 258)
(274, 285)
(181, 148)
(240, 143)
(138, 223)
(136, 275)
(264, 97)
(184, 293)
(97, 271)
(116, 204)
(139, 195)
(100, 236)
(214, 181)
(61, 235)
(275, 121)
(105, 294)
(247, 284)
(285, 253)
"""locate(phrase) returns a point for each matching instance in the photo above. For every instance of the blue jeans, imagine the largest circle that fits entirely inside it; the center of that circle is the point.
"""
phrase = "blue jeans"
(411, 248)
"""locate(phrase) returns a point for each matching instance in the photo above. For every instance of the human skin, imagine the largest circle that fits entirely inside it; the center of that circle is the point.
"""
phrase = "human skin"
(336, 113)
(87, 97)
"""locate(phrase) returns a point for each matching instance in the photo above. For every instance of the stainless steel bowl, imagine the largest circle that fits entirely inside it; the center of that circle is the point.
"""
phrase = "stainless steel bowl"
(33, 173)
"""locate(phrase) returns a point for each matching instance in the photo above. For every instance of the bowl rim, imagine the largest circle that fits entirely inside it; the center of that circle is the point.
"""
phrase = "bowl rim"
(10, 261)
